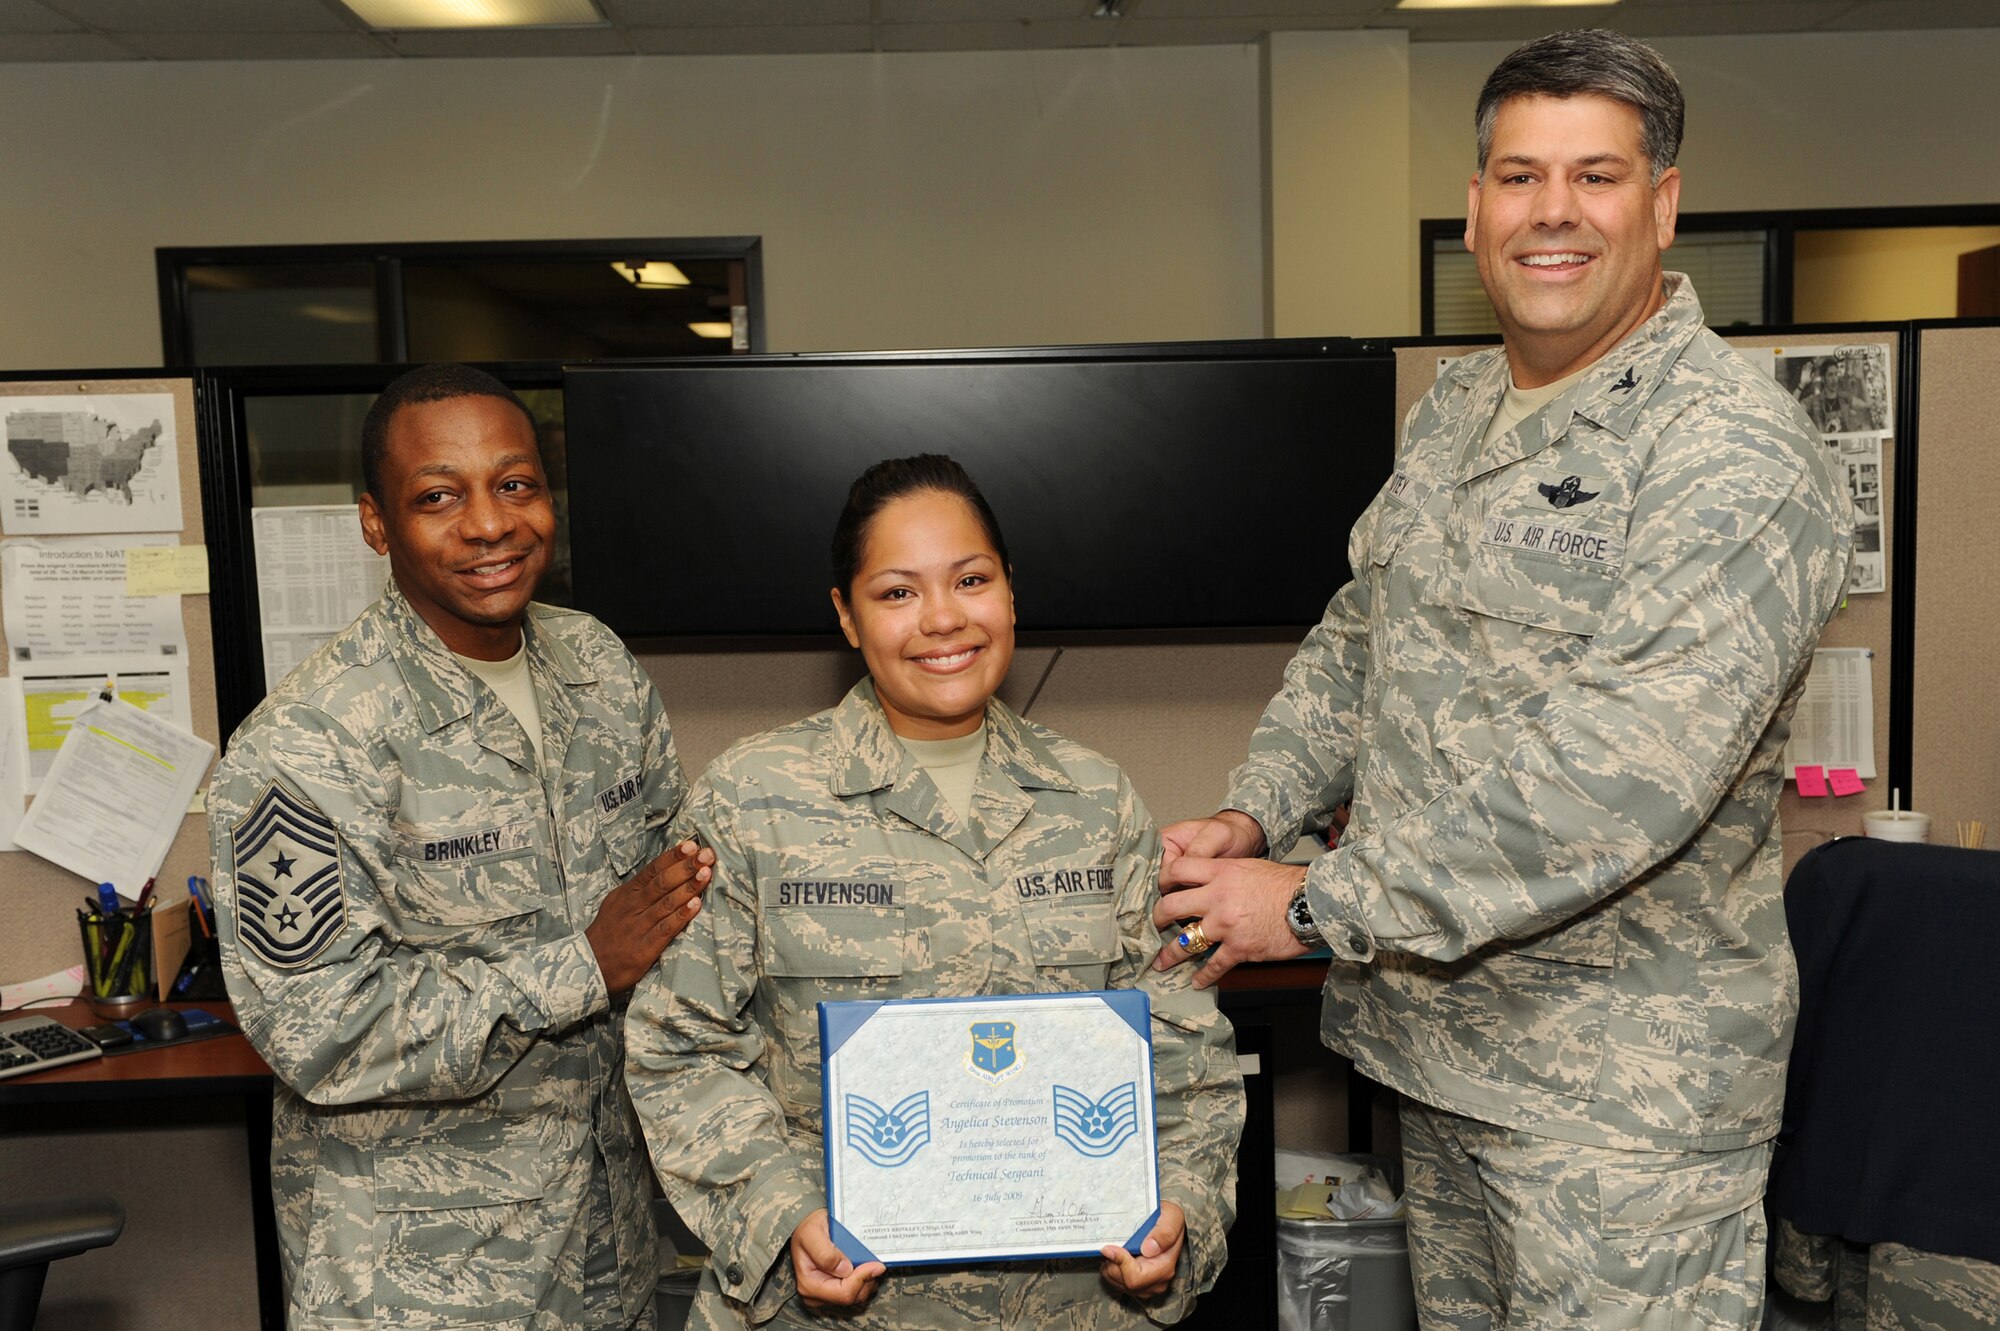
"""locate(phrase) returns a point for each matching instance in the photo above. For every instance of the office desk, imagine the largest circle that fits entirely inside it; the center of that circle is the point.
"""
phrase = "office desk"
(221, 1066)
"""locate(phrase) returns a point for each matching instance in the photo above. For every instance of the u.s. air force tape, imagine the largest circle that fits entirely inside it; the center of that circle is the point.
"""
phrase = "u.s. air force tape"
(290, 901)
(1549, 538)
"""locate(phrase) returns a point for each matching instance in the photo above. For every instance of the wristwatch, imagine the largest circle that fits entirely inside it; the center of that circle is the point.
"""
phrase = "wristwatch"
(1299, 918)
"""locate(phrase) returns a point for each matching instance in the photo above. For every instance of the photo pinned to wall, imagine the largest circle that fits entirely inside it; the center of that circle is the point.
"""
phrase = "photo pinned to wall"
(1846, 392)
(1859, 456)
(89, 463)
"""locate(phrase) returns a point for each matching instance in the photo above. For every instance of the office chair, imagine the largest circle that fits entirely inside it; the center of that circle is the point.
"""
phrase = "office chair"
(33, 1234)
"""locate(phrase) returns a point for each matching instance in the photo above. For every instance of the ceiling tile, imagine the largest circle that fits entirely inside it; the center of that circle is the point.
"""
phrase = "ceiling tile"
(1226, 32)
(802, 39)
(1273, 14)
(994, 36)
(1714, 20)
(1487, 25)
(33, 46)
(1889, 15)
(733, 13)
(114, 16)
(255, 45)
(510, 42)
(27, 16)
(984, 11)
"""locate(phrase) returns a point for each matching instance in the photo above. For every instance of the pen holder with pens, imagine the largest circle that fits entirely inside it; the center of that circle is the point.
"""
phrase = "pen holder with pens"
(118, 957)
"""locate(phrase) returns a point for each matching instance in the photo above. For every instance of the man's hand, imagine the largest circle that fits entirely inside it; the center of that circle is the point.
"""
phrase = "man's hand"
(827, 1281)
(1148, 1274)
(1229, 835)
(1240, 905)
(648, 911)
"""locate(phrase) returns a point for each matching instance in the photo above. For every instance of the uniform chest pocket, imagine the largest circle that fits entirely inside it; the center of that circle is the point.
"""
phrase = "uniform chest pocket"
(486, 905)
(1557, 593)
(624, 837)
(831, 942)
(1392, 524)
(1073, 933)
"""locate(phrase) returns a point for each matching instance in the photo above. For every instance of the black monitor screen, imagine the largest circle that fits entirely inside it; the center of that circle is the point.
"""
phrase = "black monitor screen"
(1204, 486)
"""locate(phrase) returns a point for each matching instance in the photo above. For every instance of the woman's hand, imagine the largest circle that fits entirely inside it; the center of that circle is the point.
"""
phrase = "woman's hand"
(1148, 1274)
(827, 1280)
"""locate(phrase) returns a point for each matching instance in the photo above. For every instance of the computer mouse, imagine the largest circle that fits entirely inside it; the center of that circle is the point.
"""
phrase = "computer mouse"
(160, 1024)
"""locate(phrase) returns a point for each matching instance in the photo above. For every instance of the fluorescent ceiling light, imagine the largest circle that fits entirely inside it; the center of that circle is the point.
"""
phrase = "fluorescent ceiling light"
(719, 328)
(1502, 4)
(652, 275)
(475, 13)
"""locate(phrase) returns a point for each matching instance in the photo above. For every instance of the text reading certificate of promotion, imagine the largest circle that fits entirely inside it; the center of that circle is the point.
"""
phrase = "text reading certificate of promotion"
(981, 1129)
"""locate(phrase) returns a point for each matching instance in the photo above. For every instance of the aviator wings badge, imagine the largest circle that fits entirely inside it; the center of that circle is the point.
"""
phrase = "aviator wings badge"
(1568, 494)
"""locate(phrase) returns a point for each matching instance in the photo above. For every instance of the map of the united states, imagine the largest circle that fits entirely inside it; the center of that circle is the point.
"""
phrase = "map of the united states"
(78, 450)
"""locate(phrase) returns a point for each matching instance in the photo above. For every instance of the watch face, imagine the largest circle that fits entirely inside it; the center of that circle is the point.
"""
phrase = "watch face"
(1300, 917)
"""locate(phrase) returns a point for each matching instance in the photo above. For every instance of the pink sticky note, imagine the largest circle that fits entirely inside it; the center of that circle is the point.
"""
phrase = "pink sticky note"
(1845, 782)
(1812, 781)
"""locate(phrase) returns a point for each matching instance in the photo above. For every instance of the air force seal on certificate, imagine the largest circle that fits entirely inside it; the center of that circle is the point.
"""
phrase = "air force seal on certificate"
(289, 900)
(994, 1056)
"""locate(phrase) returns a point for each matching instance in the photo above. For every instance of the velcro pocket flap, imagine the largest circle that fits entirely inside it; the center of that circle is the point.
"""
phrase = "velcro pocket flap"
(833, 941)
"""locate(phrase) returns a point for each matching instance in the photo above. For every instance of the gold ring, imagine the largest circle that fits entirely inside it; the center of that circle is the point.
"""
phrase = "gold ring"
(1192, 940)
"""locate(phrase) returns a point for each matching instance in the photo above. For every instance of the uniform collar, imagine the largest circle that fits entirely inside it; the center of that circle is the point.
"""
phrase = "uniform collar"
(870, 761)
(869, 757)
(442, 688)
(1610, 395)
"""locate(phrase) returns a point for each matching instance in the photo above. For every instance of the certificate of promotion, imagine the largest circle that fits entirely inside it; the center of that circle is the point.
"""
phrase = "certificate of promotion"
(982, 1129)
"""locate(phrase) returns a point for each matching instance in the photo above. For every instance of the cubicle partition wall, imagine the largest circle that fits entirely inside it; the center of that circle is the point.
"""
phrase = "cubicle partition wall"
(1954, 722)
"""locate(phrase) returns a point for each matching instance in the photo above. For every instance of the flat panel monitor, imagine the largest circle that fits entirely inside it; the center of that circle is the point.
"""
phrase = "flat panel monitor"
(1194, 486)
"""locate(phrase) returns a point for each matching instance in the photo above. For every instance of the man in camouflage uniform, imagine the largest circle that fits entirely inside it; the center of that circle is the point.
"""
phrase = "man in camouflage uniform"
(431, 899)
(723, 1040)
(1558, 690)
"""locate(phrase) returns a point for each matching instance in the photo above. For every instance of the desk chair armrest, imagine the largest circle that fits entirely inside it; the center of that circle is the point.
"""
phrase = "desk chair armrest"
(36, 1233)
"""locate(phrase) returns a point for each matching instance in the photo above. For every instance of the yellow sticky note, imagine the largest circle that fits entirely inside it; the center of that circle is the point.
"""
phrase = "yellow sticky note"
(166, 570)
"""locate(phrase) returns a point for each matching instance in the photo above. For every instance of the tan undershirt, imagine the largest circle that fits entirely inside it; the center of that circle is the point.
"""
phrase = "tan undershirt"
(514, 683)
(1517, 404)
(953, 765)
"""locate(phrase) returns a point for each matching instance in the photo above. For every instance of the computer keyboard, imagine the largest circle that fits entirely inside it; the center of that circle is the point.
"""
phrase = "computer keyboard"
(34, 1043)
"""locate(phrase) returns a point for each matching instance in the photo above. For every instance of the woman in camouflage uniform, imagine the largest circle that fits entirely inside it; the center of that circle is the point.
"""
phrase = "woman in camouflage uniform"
(920, 839)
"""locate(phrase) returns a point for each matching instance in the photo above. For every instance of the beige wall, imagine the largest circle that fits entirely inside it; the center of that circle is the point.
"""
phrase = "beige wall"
(904, 201)
(1333, 194)
(1817, 120)
(1858, 276)
(916, 200)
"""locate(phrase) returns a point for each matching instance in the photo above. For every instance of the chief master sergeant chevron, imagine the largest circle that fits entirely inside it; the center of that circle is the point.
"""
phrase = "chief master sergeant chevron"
(439, 868)
(1558, 690)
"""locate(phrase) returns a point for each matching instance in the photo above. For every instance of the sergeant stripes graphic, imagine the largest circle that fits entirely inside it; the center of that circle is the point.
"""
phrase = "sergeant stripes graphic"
(1097, 1128)
(282, 823)
(889, 1137)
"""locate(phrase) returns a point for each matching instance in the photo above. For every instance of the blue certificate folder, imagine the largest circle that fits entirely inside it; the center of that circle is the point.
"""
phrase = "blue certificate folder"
(989, 1129)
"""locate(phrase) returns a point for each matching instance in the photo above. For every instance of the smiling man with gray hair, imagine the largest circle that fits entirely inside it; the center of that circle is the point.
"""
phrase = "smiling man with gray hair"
(1558, 692)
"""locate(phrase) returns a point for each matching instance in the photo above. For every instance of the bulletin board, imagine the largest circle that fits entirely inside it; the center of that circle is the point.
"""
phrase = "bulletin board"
(1863, 621)
(40, 899)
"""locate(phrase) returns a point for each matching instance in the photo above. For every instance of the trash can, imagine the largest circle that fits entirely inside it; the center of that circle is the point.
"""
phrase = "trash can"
(1347, 1269)
(1344, 1275)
